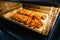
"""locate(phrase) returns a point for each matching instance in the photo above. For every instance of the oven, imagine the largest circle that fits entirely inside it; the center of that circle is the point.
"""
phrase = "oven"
(47, 14)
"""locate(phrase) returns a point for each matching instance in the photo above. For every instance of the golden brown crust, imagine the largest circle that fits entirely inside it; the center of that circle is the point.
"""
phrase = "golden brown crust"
(28, 20)
(32, 19)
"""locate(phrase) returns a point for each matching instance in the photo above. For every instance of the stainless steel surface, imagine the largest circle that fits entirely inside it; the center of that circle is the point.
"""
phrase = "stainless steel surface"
(7, 6)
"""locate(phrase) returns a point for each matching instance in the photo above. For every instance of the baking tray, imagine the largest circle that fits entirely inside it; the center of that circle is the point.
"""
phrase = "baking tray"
(52, 14)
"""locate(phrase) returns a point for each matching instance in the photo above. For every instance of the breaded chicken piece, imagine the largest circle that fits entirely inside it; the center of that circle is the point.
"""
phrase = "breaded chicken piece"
(21, 11)
(32, 23)
(24, 18)
(28, 20)
(40, 24)
(15, 16)
(19, 17)
(36, 23)
(32, 14)
(43, 17)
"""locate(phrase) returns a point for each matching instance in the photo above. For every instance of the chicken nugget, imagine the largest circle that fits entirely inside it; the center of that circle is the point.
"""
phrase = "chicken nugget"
(40, 24)
(21, 11)
(24, 18)
(28, 20)
(43, 17)
(32, 23)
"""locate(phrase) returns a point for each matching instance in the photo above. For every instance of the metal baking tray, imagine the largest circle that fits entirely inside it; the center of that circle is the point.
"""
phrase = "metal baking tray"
(51, 13)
